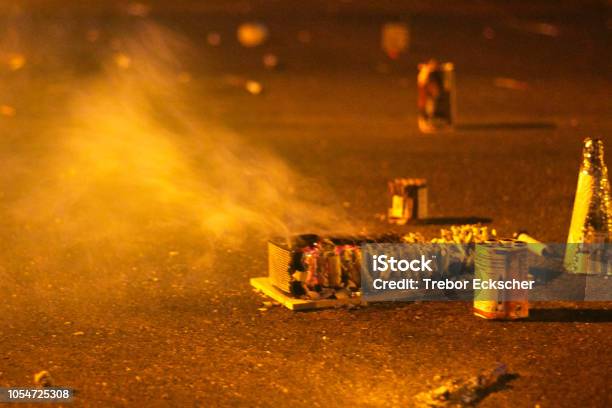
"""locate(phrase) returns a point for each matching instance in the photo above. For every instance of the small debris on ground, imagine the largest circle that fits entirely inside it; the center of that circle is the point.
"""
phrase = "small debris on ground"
(43, 379)
(464, 393)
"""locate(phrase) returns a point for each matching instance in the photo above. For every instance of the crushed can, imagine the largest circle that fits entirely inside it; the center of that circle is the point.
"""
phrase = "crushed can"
(436, 96)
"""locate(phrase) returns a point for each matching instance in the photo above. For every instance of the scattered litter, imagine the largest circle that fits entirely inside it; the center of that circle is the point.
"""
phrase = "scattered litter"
(509, 83)
(43, 379)
(395, 39)
(252, 34)
(253, 87)
(213, 39)
(464, 393)
(7, 110)
(16, 61)
(270, 61)
(78, 333)
(123, 61)
(262, 309)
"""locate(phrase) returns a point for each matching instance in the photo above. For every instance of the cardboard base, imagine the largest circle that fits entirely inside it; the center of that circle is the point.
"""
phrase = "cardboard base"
(263, 284)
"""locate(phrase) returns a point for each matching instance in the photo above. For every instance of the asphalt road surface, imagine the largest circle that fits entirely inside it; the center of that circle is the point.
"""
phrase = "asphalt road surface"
(140, 181)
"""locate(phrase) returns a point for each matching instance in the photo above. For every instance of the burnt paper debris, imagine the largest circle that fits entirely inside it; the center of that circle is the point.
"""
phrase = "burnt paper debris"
(465, 393)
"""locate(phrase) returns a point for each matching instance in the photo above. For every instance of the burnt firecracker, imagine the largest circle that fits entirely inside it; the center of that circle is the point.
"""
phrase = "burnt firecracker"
(408, 200)
(591, 224)
(436, 86)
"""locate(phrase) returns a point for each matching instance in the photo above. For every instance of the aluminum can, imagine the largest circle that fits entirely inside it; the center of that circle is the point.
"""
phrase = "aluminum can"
(500, 261)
